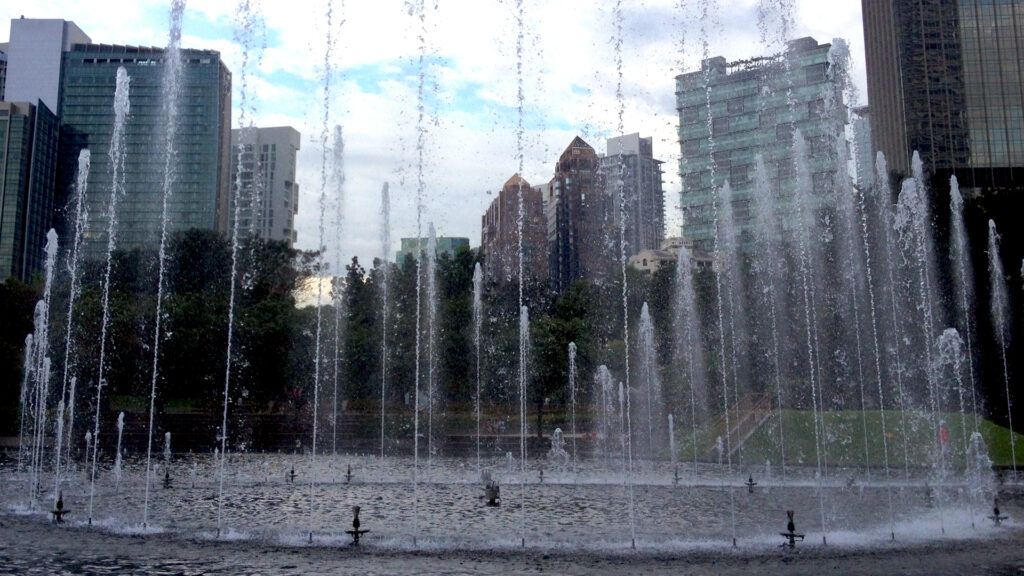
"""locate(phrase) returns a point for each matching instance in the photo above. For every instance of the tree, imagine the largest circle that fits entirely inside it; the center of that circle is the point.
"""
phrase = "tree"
(17, 301)
(570, 320)
(361, 351)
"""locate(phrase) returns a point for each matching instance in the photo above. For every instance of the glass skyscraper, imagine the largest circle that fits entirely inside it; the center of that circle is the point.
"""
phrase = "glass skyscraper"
(755, 108)
(28, 156)
(199, 196)
(946, 79)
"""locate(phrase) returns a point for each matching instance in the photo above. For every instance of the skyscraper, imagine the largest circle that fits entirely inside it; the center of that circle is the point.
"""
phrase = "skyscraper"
(756, 106)
(269, 195)
(500, 233)
(946, 79)
(35, 53)
(580, 219)
(199, 196)
(629, 162)
(28, 157)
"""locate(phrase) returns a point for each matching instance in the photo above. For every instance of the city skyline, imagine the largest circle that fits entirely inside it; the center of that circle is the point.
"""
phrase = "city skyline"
(471, 91)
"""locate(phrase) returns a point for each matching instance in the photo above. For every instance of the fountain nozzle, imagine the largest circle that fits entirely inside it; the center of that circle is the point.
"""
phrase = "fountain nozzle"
(790, 534)
(996, 516)
(355, 532)
(58, 510)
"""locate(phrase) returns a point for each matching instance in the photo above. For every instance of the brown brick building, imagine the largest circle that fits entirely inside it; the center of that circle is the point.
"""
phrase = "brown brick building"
(500, 233)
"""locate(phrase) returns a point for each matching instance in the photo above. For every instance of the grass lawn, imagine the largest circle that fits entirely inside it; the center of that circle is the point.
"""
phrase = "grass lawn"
(910, 438)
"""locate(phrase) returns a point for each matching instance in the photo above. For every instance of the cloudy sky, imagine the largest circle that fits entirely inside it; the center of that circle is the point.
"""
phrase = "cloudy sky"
(568, 66)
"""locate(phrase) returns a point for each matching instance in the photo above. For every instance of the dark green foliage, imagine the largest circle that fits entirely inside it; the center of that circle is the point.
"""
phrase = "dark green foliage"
(267, 333)
(17, 301)
(360, 351)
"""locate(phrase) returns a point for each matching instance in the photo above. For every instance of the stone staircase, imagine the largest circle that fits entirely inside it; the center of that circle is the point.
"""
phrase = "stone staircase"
(753, 412)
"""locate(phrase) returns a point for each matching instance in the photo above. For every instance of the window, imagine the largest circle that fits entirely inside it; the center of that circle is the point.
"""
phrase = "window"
(784, 132)
(691, 147)
(734, 106)
(822, 182)
(767, 118)
(720, 125)
(692, 181)
(786, 169)
(721, 159)
(816, 108)
(690, 114)
(815, 73)
(739, 174)
(819, 146)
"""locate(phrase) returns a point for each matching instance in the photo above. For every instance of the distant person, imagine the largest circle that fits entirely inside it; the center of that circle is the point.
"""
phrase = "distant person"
(944, 438)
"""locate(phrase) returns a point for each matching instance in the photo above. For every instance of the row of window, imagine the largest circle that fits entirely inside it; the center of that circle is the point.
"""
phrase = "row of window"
(743, 174)
(765, 118)
(142, 61)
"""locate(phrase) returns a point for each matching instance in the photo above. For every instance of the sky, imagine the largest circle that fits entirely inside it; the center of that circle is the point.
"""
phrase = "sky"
(472, 127)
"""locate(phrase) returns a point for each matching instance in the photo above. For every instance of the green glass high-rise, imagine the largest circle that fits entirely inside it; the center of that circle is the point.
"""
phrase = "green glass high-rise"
(731, 112)
(201, 187)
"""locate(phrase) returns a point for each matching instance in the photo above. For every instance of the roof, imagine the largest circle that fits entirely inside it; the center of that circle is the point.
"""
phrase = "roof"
(516, 181)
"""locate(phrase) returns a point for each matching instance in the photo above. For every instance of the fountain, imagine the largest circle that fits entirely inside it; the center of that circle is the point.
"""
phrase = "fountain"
(75, 289)
(572, 400)
(117, 454)
(59, 510)
(478, 288)
(1000, 314)
(649, 388)
(385, 249)
(767, 318)
(557, 453)
(172, 94)
(338, 176)
(116, 155)
(431, 271)
(791, 534)
(247, 20)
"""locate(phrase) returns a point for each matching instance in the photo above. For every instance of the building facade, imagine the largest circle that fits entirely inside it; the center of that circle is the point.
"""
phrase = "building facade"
(863, 151)
(756, 108)
(28, 158)
(200, 191)
(264, 183)
(629, 164)
(500, 233)
(946, 80)
(413, 246)
(582, 233)
(3, 71)
(35, 58)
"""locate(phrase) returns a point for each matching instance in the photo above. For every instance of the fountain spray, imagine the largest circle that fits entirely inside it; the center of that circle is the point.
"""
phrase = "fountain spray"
(116, 155)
